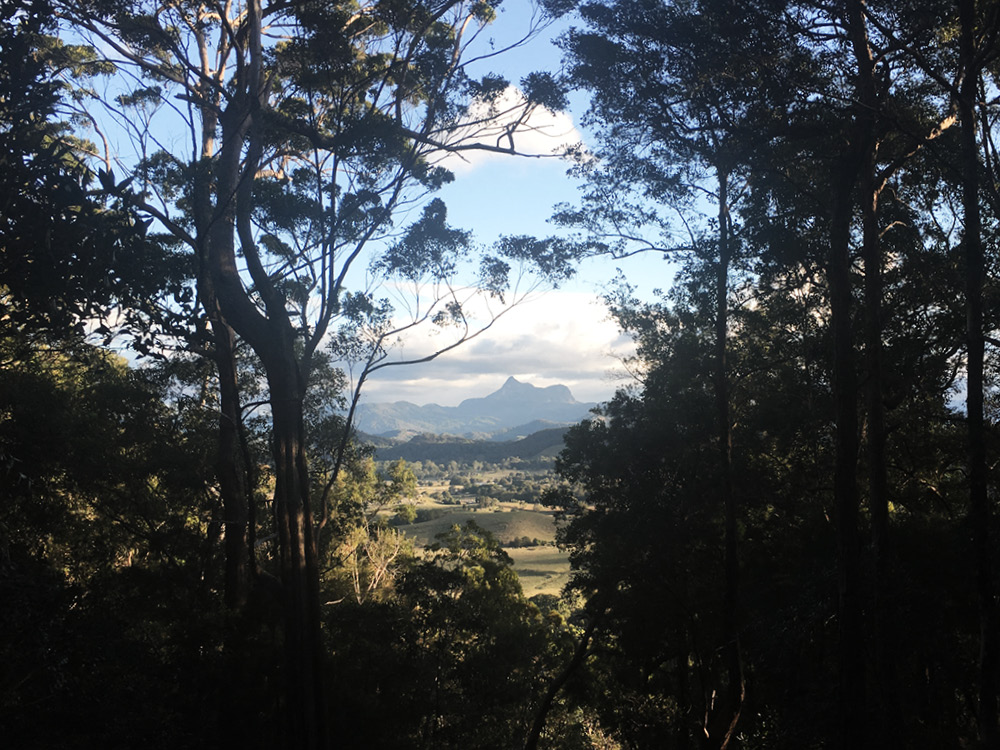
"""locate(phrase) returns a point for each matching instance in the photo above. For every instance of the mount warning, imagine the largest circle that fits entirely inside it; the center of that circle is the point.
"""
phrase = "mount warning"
(516, 409)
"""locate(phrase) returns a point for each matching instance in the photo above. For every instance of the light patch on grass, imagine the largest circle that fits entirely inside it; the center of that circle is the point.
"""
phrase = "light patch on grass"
(542, 570)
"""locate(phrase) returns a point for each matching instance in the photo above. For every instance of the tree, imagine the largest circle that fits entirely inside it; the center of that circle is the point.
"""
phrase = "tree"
(833, 167)
(676, 90)
(70, 254)
(108, 552)
(640, 531)
(885, 119)
(888, 136)
(303, 149)
(454, 649)
(979, 43)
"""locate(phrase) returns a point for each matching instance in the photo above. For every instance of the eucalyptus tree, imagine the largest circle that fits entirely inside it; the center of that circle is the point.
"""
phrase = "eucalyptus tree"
(828, 120)
(679, 91)
(954, 48)
(71, 254)
(287, 142)
(979, 47)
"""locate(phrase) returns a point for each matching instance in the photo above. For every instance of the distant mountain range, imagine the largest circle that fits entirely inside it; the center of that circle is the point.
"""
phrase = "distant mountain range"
(517, 409)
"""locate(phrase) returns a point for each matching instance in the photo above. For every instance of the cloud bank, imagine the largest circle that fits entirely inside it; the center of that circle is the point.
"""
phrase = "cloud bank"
(557, 338)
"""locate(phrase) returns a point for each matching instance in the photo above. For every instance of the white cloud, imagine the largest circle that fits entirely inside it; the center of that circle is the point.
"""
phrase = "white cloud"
(556, 338)
(510, 123)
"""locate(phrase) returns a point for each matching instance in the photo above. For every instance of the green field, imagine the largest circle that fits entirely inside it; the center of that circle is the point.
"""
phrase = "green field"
(542, 569)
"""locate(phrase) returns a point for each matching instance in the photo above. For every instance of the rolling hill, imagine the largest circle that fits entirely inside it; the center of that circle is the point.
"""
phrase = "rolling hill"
(444, 448)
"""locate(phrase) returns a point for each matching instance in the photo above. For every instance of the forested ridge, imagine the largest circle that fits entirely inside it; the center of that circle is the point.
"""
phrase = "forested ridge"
(783, 531)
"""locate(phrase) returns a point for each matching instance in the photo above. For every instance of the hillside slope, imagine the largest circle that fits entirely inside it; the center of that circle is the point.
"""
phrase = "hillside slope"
(442, 449)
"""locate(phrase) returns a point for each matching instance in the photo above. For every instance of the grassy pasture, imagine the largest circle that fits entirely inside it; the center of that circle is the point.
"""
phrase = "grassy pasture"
(507, 524)
(542, 570)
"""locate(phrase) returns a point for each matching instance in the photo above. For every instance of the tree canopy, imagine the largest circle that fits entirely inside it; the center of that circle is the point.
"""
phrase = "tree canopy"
(782, 532)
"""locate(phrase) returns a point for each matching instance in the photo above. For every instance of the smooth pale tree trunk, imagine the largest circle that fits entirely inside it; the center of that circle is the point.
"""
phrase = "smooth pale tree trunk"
(303, 707)
(231, 469)
(979, 511)
(230, 465)
(272, 338)
(233, 463)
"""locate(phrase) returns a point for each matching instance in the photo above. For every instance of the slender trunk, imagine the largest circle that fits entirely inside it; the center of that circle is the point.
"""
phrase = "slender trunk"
(232, 479)
(684, 702)
(303, 709)
(235, 485)
(852, 699)
(890, 715)
(230, 470)
(878, 486)
(979, 511)
(732, 654)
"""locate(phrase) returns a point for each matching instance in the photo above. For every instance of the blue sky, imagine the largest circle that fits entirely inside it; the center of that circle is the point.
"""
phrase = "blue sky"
(561, 336)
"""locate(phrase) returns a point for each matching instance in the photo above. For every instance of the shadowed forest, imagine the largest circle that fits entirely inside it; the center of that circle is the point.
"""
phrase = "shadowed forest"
(218, 221)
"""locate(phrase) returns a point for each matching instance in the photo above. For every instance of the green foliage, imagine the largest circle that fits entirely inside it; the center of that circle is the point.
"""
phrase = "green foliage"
(111, 523)
(642, 533)
(67, 253)
(304, 148)
(430, 248)
(457, 654)
(108, 557)
(405, 513)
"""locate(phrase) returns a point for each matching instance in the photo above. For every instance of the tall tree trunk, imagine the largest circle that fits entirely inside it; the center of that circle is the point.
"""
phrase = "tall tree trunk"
(736, 687)
(231, 472)
(230, 468)
(852, 699)
(232, 462)
(273, 340)
(979, 511)
(878, 486)
(305, 708)
(890, 716)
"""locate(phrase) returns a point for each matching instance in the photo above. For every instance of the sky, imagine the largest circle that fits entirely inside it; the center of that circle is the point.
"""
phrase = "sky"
(562, 336)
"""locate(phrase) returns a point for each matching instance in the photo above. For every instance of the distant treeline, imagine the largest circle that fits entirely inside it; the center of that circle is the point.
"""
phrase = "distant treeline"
(540, 447)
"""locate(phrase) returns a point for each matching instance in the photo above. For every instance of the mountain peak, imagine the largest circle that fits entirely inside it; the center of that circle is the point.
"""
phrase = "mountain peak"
(513, 385)
(514, 390)
(514, 403)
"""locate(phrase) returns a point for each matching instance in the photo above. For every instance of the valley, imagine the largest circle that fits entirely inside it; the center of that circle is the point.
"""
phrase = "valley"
(496, 485)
